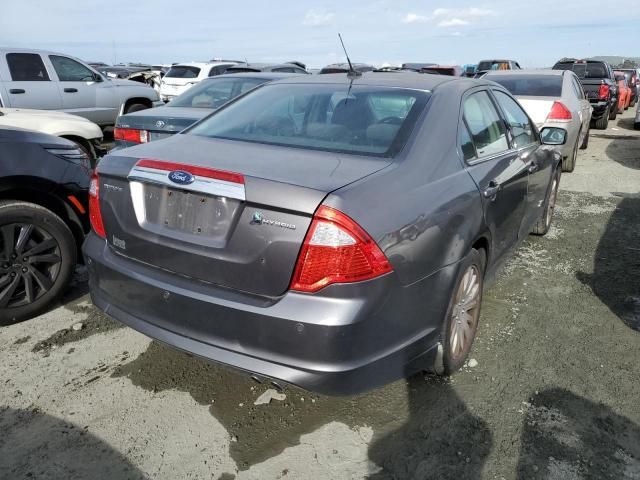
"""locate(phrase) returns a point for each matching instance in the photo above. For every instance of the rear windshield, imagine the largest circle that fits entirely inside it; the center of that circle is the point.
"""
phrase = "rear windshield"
(215, 92)
(439, 71)
(183, 72)
(530, 85)
(584, 70)
(338, 118)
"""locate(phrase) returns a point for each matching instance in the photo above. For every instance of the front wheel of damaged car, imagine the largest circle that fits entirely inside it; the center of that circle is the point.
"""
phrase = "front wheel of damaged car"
(463, 315)
(543, 225)
(37, 259)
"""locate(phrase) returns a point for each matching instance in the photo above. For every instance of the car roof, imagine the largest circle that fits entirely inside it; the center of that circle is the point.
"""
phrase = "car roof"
(266, 65)
(256, 75)
(201, 64)
(531, 71)
(412, 80)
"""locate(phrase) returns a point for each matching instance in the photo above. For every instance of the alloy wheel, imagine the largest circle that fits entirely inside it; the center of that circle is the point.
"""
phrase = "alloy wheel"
(30, 262)
(465, 313)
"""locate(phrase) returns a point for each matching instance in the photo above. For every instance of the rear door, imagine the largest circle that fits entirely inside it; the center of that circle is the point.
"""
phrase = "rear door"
(28, 83)
(77, 85)
(538, 161)
(496, 168)
(585, 106)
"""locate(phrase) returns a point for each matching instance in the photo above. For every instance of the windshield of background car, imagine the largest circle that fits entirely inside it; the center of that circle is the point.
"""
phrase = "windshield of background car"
(337, 118)
(215, 93)
(183, 72)
(530, 85)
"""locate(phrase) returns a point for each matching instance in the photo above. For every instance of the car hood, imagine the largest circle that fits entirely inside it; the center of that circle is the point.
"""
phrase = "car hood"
(175, 118)
(50, 121)
(16, 134)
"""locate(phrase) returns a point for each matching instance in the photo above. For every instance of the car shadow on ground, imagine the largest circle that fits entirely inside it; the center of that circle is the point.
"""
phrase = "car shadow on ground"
(36, 445)
(566, 436)
(625, 150)
(440, 439)
(616, 270)
(419, 425)
(626, 123)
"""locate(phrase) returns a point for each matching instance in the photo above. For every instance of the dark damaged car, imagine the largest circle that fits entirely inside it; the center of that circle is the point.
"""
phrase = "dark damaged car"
(332, 232)
(196, 103)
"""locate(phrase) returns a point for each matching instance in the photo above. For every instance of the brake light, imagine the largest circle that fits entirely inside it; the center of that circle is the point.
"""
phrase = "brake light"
(130, 135)
(95, 215)
(603, 92)
(559, 112)
(336, 250)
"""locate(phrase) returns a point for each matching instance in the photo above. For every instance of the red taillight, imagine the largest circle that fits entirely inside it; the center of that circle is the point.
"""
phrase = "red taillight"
(336, 250)
(130, 135)
(559, 112)
(603, 92)
(95, 215)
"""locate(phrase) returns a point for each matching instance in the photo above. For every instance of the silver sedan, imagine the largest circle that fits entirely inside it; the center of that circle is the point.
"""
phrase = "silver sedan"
(552, 98)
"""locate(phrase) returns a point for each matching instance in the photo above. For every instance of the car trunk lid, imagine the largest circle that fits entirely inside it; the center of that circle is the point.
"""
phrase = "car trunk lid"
(538, 108)
(162, 121)
(241, 230)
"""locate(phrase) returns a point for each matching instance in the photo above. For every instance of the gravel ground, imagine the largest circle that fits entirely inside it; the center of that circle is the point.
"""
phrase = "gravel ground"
(552, 391)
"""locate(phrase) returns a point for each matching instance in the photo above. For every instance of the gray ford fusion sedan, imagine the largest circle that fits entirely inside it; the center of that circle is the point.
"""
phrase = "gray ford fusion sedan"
(332, 232)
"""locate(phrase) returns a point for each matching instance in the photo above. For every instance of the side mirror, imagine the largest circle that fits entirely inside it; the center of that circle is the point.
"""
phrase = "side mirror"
(553, 136)
(97, 78)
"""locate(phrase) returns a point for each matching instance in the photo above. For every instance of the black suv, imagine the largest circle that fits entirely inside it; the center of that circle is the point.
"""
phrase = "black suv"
(44, 183)
(599, 85)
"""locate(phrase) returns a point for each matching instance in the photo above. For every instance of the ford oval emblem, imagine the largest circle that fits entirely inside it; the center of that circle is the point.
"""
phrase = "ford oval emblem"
(181, 177)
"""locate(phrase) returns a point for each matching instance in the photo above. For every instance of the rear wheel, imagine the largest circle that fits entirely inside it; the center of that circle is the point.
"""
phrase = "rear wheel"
(569, 163)
(603, 122)
(613, 112)
(136, 107)
(543, 225)
(463, 315)
(37, 259)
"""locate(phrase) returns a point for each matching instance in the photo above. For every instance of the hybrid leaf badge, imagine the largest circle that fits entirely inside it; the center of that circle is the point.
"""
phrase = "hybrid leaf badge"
(258, 219)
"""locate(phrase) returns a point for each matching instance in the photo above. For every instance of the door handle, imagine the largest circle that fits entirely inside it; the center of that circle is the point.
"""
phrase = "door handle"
(71, 90)
(533, 167)
(492, 190)
(16, 90)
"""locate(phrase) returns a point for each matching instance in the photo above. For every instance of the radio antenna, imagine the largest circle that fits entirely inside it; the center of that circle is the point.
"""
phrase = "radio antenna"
(352, 71)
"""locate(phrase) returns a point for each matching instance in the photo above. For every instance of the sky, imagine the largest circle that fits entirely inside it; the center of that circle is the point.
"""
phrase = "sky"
(534, 33)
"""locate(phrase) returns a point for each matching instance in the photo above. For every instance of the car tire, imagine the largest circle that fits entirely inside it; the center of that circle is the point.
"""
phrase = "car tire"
(613, 112)
(463, 315)
(30, 283)
(136, 107)
(636, 126)
(602, 123)
(585, 140)
(543, 225)
(569, 163)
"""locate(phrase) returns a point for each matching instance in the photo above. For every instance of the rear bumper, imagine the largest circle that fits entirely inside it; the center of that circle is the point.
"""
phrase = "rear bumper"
(344, 340)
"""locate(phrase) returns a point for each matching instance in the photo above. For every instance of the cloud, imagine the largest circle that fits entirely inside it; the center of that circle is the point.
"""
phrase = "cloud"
(317, 19)
(449, 17)
(453, 22)
(414, 18)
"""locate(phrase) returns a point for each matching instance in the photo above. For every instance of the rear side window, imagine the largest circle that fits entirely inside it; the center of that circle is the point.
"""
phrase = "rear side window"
(487, 128)
(530, 85)
(183, 71)
(285, 70)
(519, 123)
(219, 70)
(69, 70)
(26, 67)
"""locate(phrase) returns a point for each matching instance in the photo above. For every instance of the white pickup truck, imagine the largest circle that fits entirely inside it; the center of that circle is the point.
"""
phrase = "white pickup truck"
(51, 81)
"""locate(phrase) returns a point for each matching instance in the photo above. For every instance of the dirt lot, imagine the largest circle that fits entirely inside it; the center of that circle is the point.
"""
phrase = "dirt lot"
(554, 394)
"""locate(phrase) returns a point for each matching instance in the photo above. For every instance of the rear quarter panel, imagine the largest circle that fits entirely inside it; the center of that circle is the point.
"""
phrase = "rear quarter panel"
(424, 210)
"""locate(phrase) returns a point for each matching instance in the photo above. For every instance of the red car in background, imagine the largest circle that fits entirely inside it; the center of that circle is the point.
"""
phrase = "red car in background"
(624, 92)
